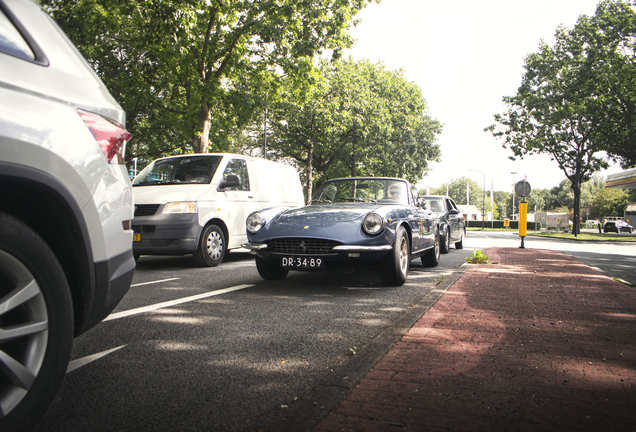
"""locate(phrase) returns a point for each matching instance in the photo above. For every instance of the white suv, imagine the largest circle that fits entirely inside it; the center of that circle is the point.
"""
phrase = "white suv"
(65, 208)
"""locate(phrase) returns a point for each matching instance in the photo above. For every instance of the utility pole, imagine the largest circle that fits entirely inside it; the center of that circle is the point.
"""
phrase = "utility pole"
(483, 199)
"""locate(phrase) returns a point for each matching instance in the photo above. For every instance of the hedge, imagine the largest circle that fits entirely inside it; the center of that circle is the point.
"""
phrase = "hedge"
(513, 224)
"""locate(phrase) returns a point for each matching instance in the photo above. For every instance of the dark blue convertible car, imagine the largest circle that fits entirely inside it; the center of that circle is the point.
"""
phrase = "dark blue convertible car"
(356, 221)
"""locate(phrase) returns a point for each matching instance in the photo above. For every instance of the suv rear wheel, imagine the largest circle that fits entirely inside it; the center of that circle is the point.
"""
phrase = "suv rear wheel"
(36, 325)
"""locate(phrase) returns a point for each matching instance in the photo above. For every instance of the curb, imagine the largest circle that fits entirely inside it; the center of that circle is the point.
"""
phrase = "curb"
(305, 412)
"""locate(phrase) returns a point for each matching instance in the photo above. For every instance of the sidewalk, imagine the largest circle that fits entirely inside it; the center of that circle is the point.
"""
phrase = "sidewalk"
(536, 342)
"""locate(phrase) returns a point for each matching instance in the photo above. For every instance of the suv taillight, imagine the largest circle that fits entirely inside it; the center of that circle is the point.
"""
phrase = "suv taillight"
(110, 136)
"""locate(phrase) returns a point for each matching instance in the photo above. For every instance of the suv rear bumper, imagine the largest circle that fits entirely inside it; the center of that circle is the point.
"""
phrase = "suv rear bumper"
(112, 281)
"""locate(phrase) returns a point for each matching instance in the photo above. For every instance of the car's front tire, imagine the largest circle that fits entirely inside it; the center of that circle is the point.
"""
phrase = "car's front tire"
(431, 258)
(36, 317)
(445, 242)
(270, 271)
(394, 268)
(211, 248)
(460, 243)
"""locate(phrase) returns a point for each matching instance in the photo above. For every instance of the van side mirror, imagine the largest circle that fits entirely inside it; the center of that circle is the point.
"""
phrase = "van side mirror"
(453, 211)
(231, 180)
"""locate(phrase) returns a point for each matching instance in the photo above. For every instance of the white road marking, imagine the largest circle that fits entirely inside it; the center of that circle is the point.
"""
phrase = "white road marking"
(78, 363)
(154, 282)
(137, 311)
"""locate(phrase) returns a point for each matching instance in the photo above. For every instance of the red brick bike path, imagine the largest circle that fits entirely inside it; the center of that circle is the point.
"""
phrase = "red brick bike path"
(536, 341)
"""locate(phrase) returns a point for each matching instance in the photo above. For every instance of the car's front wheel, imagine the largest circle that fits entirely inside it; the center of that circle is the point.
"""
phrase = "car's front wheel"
(431, 258)
(460, 243)
(445, 242)
(394, 268)
(36, 322)
(270, 271)
(211, 248)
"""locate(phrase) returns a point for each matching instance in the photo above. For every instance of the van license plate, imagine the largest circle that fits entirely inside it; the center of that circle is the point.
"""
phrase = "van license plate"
(137, 237)
(302, 262)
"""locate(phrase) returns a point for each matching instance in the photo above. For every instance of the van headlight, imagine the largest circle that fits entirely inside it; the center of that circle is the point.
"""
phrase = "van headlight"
(255, 222)
(180, 207)
(373, 223)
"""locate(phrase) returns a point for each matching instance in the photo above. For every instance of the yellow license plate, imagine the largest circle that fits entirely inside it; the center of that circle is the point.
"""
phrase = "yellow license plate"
(136, 237)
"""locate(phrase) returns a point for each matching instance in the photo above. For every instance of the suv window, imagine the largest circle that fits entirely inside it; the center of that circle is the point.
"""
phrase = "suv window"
(11, 41)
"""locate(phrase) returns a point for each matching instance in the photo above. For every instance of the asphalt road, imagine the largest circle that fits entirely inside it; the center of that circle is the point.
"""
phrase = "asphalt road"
(195, 349)
(200, 349)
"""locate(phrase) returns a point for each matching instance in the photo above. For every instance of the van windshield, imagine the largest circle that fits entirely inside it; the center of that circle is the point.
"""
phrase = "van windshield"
(179, 170)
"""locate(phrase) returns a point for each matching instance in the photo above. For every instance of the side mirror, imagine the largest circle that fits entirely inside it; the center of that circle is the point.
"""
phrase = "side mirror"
(453, 211)
(231, 180)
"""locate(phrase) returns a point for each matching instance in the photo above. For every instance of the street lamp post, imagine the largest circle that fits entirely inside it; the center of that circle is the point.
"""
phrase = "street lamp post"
(513, 194)
(483, 199)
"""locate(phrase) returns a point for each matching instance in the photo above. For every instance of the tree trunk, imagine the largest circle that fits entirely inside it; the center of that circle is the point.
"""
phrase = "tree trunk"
(202, 138)
(576, 187)
(310, 172)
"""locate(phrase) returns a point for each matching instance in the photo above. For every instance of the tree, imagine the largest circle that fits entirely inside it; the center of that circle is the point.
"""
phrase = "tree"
(549, 112)
(188, 70)
(353, 118)
(457, 191)
(503, 201)
(608, 202)
(609, 43)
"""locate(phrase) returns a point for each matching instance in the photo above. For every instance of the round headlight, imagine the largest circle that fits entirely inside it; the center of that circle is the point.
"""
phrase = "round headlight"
(373, 223)
(255, 222)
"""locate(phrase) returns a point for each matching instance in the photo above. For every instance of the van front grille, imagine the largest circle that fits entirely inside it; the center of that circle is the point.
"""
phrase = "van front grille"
(146, 209)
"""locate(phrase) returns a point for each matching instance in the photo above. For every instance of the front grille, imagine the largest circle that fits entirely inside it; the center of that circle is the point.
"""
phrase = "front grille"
(146, 209)
(301, 246)
(144, 229)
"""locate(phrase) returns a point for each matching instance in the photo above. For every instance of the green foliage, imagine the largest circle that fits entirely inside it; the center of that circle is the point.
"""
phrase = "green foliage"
(352, 118)
(478, 257)
(608, 202)
(561, 107)
(188, 72)
(608, 72)
(477, 196)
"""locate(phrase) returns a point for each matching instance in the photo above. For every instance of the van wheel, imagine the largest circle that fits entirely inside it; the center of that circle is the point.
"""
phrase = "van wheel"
(211, 248)
(37, 313)
(270, 271)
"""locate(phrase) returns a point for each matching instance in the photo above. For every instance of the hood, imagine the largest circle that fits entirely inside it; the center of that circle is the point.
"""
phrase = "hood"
(162, 194)
(334, 221)
(326, 214)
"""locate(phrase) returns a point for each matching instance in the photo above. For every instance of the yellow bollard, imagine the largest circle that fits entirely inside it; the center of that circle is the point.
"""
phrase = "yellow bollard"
(523, 221)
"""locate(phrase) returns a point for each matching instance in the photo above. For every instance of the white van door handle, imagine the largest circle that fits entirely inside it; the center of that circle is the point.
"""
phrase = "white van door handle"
(250, 196)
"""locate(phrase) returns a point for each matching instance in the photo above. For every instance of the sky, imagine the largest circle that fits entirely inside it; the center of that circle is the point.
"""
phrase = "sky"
(466, 55)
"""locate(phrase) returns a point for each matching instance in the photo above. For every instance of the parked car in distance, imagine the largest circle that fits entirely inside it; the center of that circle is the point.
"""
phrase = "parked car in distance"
(197, 203)
(452, 223)
(65, 208)
(355, 221)
(617, 227)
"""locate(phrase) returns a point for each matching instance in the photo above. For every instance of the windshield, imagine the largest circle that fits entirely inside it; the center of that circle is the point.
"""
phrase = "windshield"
(435, 204)
(381, 191)
(179, 170)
